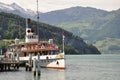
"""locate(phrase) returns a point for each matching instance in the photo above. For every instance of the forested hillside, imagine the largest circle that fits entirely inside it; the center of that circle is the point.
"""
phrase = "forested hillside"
(12, 26)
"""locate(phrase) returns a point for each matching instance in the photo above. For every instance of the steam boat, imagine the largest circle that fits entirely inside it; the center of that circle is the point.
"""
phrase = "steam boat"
(50, 54)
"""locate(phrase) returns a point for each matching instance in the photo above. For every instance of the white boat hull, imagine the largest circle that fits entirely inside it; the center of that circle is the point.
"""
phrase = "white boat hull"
(53, 63)
(49, 61)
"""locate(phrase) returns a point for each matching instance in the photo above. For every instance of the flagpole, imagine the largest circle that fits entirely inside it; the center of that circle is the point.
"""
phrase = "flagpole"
(63, 42)
(63, 46)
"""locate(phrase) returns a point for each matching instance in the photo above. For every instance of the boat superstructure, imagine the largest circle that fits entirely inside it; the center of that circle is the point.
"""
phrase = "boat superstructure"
(50, 54)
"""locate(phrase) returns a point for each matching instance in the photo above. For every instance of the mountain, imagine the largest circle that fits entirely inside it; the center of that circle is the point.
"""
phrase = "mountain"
(12, 26)
(16, 9)
(82, 21)
(93, 25)
(71, 14)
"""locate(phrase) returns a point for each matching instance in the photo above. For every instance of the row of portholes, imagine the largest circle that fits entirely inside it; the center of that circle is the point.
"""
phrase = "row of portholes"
(32, 37)
(46, 61)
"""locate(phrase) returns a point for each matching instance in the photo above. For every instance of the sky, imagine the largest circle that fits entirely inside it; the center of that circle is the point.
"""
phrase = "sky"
(50, 5)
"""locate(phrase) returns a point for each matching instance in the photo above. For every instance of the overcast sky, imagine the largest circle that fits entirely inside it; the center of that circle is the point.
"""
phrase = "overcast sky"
(49, 5)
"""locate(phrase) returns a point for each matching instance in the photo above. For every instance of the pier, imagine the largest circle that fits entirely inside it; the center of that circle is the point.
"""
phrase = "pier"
(9, 65)
(5, 66)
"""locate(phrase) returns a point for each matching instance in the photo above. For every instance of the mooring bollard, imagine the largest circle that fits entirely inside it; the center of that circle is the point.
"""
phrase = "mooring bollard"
(30, 62)
(26, 67)
(38, 65)
(18, 57)
(30, 59)
(34, 67)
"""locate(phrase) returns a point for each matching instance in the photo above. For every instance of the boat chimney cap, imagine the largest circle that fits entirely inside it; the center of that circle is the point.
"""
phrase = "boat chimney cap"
(28, 20)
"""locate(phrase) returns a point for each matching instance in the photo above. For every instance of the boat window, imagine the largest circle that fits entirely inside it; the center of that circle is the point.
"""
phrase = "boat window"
(25, 54)
(51, 53)
(34, 37)
(40, 53)
(44, 44)
(31, 36)
(35, 53)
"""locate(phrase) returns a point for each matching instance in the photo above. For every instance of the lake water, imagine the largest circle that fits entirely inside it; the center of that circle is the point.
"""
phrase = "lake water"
(78, 67)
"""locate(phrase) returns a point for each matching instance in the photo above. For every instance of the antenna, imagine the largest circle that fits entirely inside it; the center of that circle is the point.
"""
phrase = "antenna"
(37, 29)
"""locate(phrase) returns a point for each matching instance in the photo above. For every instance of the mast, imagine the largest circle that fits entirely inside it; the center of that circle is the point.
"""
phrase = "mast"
(37, 29)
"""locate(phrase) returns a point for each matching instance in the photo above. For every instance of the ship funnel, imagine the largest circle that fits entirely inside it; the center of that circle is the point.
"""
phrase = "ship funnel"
(27, 22)
(30, 35)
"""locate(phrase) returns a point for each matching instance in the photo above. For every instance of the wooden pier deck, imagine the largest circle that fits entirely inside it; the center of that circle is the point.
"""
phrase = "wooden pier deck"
(8, 65)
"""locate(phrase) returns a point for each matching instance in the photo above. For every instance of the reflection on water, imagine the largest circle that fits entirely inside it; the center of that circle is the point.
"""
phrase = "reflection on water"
(82, 67)
(37, 77)
(46, 74)
(52, 74)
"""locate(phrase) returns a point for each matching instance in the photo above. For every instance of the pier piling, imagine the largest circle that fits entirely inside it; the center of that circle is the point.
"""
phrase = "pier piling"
(8, 66)
(36, 66)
